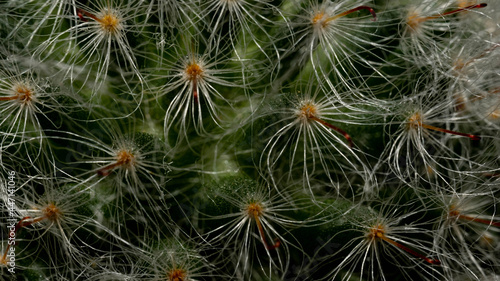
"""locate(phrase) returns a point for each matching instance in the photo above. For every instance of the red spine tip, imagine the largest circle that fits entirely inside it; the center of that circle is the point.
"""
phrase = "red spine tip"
(349, 140)
(370, 9)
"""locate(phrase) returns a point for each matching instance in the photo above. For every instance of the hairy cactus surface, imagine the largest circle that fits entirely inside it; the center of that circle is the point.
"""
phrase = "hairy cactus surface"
(297, 140)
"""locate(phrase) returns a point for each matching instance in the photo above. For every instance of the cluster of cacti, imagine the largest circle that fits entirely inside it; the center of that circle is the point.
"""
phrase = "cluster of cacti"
(250, 139)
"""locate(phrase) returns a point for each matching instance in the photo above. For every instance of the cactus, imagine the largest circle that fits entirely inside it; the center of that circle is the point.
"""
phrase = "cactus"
(249, 140)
